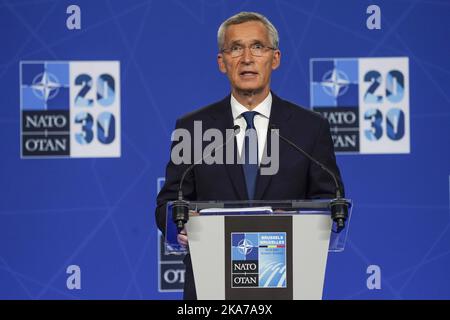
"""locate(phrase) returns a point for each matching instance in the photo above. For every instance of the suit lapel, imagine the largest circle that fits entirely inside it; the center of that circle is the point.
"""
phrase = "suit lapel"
(279, 116)
(224, 120)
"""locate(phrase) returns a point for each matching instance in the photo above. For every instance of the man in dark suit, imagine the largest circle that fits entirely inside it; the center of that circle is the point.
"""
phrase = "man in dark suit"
(248, 45)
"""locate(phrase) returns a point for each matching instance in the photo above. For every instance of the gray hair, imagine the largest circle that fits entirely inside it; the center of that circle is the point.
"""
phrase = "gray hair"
(245, 17)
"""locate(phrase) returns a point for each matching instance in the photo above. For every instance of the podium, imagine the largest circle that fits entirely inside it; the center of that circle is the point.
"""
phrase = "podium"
(258, 249)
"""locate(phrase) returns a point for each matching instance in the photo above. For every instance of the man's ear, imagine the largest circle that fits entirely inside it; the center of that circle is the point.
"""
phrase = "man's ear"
(276, 59)
(221, 63)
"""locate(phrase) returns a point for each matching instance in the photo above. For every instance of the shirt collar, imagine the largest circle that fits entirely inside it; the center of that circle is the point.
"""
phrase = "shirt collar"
(263, 108)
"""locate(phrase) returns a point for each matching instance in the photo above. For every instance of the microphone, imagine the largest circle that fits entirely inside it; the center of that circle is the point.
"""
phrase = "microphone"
(339, 205)
(180, 207)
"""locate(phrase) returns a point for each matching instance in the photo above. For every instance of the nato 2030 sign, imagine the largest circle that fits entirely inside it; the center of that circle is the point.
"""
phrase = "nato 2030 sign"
(366, 101)
(70, 109)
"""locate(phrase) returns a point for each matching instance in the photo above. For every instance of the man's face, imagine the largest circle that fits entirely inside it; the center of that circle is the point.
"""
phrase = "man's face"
(248, 72)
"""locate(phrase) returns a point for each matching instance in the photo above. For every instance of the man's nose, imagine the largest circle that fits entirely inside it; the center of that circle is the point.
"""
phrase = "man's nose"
(247, 56)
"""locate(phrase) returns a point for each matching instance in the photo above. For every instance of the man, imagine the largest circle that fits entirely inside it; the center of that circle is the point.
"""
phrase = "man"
(248, 53)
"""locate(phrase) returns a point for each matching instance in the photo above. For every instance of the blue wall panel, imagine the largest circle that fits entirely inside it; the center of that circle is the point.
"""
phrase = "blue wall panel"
(98, 213)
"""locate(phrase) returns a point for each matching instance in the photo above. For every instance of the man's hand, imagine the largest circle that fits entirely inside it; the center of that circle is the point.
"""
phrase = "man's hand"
(182, 238)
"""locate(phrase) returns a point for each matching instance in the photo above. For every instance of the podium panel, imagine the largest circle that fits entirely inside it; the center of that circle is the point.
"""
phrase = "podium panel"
(290, 265)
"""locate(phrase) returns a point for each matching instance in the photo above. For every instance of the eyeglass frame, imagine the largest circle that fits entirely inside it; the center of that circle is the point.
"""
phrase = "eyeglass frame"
(263, 47)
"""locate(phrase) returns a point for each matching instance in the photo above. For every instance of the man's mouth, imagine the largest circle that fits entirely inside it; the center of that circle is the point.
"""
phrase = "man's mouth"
(248, 73)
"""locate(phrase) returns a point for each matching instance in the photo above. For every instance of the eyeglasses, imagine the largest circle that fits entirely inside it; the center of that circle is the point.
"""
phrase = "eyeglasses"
(257, 50)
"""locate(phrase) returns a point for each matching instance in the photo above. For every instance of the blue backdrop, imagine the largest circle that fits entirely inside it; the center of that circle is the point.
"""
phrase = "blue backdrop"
(98, 213)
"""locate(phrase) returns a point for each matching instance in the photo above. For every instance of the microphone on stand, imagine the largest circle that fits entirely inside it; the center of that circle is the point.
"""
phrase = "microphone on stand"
(339, 205)
(180, 207)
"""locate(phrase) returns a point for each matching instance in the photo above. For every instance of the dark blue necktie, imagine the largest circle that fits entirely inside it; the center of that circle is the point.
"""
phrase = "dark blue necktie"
(250, 165)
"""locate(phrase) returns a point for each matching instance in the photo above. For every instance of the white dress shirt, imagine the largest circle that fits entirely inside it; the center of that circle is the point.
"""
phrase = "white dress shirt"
(261, 122)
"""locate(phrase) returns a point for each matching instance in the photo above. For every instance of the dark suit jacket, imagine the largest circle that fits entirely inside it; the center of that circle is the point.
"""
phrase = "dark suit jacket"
(297, 177)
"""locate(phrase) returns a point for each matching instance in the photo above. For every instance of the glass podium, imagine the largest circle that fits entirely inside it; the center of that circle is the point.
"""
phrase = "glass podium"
(267, 208)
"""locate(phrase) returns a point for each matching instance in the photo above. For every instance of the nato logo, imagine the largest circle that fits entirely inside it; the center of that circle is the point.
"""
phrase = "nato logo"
(335, 83)
(70, 109)
(366, 102)
(258, 260)
(245, 246)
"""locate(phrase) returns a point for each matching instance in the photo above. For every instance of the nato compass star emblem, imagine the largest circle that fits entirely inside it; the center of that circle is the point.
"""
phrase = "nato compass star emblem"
(335, 83)
(245, 246)
(45, 86)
